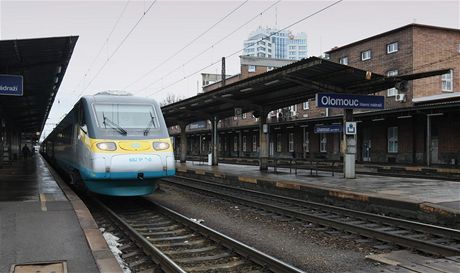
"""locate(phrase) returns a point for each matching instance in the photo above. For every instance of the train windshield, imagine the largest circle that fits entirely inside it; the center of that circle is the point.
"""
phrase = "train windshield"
(126, 116)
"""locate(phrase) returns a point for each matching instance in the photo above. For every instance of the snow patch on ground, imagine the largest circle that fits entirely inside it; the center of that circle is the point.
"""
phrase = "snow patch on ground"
(199, 221)
(112, 242)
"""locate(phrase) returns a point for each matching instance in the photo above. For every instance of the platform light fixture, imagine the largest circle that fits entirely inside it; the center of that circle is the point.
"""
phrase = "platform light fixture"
(226, 95)
(272, 82)
(435, 114)
(246, 89)
(56, 80)
(194, 104)
(402, 117)
(378, 119)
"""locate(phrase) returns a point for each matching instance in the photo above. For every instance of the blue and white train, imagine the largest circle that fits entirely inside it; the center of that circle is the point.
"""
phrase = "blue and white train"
(113, 143)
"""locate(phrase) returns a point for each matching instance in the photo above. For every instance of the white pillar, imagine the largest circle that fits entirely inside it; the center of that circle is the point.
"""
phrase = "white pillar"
(349, 158)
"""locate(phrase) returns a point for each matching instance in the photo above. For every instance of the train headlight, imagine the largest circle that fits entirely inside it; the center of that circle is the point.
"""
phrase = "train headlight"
(107, 146)
(160, 146)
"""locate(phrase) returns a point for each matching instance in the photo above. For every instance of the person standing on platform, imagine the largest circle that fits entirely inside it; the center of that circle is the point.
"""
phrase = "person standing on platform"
(25, 151)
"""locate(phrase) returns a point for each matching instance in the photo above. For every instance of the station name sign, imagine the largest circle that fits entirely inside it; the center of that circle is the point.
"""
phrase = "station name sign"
(334, 100)
(11, 85)
(328, 129)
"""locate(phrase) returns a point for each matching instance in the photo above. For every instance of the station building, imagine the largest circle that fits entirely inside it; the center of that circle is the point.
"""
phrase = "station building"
(419, 124)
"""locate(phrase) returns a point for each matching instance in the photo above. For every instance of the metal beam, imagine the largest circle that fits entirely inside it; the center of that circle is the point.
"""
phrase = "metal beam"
(238, 103)
(323, 87)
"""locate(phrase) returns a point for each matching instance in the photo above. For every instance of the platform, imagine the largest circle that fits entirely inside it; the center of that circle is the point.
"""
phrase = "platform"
(38, 222)
(430, 200)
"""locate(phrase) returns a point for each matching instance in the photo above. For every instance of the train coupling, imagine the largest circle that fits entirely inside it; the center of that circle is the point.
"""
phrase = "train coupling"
(140, 176)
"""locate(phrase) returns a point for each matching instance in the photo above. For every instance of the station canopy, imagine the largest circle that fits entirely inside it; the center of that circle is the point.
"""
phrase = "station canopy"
(42, 62)
(283, 87)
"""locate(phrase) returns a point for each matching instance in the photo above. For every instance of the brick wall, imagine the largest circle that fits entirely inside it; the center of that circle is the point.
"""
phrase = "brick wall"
(381, 62)
(435, 49)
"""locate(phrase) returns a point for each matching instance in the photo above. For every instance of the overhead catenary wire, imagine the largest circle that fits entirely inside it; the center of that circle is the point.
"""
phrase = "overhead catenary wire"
(119, 46)
(213, 45)
(188, 44)
(106, 41)
(264, 38)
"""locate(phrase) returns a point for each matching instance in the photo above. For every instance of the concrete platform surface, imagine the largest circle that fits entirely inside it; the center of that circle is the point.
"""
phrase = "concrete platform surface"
(429, 195)
(37, 221)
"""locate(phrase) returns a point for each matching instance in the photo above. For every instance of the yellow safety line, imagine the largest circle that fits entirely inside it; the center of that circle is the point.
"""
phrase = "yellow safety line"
(43, 202)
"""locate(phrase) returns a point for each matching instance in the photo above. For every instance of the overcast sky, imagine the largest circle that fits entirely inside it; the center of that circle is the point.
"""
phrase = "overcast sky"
(170, 25)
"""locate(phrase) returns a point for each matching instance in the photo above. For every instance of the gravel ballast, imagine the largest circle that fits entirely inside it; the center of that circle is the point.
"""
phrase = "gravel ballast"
(297, 243)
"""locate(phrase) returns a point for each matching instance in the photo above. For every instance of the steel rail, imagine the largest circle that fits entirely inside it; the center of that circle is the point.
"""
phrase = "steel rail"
(422, 227)
(258, 257)
(401, 240)
(169, 266)
(166, 264)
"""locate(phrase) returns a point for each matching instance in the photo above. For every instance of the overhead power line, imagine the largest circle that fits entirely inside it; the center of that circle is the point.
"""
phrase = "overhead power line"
(106, 41)
(119, 46)
(188, 44)
(213, 45)
(264, 38)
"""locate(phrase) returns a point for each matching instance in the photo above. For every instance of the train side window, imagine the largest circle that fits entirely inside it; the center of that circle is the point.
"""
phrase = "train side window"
(81, 119)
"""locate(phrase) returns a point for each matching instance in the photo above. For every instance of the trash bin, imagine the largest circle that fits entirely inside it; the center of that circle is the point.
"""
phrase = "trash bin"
(209, 159)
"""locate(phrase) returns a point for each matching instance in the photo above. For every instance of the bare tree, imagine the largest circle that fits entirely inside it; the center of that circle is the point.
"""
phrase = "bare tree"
(170, 98)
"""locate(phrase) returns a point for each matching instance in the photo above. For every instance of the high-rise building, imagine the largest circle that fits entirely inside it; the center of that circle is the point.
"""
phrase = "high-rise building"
(273, 43)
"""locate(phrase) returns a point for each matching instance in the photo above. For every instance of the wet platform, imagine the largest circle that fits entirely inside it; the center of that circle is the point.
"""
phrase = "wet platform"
(38, 223)
(431, 200)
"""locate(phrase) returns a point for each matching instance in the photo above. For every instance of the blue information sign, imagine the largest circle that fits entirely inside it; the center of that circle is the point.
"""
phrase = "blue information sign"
(328, 129)
(11, 85)
(334, 100)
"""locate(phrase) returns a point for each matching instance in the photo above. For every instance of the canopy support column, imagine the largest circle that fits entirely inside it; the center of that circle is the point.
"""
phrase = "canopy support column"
(263, 142)
(349, 158)
(183, 142)
(215, 141)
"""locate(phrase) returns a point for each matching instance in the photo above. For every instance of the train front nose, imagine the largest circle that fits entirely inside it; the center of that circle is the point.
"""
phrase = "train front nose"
(136, 166)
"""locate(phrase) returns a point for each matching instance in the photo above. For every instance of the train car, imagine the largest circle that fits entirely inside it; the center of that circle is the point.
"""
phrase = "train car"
(113, 143)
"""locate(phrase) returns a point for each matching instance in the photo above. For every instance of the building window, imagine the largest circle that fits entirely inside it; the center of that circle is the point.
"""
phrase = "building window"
(392, 91)
(235, 144)
(291, 142)
(244, 144)
(307, 142)
(251, 68)
(446, 81)
(235, 117)
(254, 143)
(244, 115)
(366, 55)
(344, 60)
(392, 139)
(278, 143)
(392, 48)
(306, 105)
(322, 143)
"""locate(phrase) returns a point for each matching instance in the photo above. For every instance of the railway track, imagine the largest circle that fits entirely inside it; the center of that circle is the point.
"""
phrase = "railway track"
(177, 244)
(408, 234)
